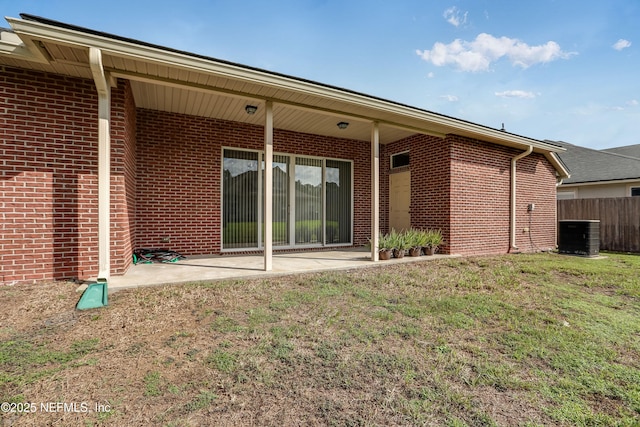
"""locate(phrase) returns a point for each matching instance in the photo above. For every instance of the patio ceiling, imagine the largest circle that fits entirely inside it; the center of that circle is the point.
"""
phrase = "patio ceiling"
(205, 103)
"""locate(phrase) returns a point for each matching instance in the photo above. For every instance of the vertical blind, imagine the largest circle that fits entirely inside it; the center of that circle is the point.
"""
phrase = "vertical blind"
(240, 199)
(308, 200)
(280, 200)
(338, 189)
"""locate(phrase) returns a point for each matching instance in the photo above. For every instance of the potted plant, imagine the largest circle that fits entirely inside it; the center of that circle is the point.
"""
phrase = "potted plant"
(434, 241)
(384, 248)
(428, 247)
(416, 240)
(399, 243)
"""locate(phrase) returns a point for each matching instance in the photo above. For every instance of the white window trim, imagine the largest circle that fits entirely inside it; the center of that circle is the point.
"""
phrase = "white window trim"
(632, 186)
(291, 244)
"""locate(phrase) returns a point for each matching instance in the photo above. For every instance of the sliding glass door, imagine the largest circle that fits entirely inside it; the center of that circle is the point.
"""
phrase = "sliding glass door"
(312, 200)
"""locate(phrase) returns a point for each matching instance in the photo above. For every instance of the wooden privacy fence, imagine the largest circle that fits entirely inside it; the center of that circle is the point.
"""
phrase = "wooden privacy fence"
(619, 220)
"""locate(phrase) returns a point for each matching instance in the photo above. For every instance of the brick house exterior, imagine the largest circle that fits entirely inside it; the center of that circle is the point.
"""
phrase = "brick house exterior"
(461, 186)
(166, 166)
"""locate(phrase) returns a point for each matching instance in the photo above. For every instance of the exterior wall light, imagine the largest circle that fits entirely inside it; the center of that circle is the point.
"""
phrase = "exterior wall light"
(343, 125)
(251, 109)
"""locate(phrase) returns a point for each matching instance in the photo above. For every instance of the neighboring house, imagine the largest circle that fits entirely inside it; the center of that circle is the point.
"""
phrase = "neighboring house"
(627, 150)
(613, 172)
(108, 144)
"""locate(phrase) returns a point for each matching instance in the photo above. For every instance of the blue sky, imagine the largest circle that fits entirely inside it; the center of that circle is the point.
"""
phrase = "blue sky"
(548, 69)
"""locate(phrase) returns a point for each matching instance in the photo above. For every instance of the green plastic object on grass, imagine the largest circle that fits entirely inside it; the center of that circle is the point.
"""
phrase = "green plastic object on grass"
(93, 297)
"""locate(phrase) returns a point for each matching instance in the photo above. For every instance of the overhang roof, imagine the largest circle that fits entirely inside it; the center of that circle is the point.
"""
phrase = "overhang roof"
(176, 81)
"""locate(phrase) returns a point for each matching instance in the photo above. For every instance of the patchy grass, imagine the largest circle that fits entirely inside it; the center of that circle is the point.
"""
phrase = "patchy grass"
(524, 340)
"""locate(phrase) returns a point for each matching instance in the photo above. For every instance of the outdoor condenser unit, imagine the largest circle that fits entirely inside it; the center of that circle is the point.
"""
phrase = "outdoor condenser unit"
(579, 237)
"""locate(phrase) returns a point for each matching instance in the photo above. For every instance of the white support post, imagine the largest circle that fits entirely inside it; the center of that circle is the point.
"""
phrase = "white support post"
(104, 164)
(268, 187)
(375, 190)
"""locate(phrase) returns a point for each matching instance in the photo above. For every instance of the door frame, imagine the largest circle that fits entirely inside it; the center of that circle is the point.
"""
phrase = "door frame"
(402, 172)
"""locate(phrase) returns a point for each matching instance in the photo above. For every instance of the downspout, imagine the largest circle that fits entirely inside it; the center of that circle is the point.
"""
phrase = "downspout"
(104, 163)
(512, 222)
(559, 181)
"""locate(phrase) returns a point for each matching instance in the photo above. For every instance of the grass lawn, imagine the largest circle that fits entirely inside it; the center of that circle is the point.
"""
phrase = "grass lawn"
(519, 340)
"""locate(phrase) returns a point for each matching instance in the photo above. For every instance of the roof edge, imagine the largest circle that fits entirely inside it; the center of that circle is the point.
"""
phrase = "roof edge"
(601, 182)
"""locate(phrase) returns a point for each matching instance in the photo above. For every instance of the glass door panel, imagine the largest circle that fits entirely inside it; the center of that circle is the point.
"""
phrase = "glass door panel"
(338, 200)
(280, 200)
(240, 199)
(308, 201)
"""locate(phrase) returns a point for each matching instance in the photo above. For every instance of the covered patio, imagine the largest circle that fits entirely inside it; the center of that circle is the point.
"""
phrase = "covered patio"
(164, 148)
(200, 268)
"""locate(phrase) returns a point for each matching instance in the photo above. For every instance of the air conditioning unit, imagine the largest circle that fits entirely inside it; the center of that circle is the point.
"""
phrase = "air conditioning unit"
(579, 237)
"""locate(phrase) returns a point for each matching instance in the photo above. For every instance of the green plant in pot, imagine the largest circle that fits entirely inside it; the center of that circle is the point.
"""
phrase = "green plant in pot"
(399, 243)
(384, 248)
(434, 241)
(416, 239)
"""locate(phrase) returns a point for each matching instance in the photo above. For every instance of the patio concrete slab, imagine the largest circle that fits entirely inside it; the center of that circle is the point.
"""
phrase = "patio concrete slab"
(195, 269)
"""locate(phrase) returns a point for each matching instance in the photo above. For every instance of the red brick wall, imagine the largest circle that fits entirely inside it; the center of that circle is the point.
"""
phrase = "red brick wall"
(431, 186)
(123, 178)
(48, 176)
(462, 187)
(536, 183)
(480, 198)
(430, 190)
(179, 176)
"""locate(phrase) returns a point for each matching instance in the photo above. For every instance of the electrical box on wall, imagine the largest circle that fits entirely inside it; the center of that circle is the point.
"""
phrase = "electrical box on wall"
(531, 207)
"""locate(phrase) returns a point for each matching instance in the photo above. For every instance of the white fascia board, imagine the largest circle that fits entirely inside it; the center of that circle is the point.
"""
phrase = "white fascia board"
(563, 172)
(592, 183)
(11, 44)
(139, 52)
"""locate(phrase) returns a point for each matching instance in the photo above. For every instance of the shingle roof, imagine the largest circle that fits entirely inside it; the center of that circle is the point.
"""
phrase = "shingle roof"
(628, 150)
(588, 165)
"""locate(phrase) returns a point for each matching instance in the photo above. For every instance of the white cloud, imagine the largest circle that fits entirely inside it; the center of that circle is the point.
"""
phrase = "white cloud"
(479, 54)
(450, 98)
(431, 75)
(515, 94)
(453, 16)
(621, 44)
(629, 104)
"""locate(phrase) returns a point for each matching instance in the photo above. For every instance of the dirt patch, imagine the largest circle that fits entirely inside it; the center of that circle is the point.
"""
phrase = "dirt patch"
(403, 345)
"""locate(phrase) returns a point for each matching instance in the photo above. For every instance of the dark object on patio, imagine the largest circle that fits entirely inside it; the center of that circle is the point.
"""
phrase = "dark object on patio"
(148, 256)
